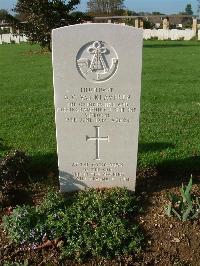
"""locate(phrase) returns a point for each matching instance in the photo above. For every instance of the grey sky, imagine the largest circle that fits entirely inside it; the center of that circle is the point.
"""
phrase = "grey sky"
(165, 6)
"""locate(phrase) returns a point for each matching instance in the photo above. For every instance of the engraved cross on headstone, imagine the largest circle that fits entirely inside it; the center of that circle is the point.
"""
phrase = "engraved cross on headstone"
(97, 138)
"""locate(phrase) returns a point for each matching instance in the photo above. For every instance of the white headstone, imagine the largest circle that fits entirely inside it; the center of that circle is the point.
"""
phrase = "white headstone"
(186, 35)
(198, 35)
(189, 34)
(12, 37)
(147, 34)
(180, 34)
(165, 34)
(15, 38)
(174, 34)
(6, 38)
(0, 39)
(24, 38)
(154, 33)
(97, 83)
(160, 34)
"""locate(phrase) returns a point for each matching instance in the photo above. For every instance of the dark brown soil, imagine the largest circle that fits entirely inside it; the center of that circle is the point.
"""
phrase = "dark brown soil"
(168, 241)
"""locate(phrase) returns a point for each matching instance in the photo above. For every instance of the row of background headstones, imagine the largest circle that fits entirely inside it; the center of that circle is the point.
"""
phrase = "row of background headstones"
(173, 34)
(160, 34)
(9, 38)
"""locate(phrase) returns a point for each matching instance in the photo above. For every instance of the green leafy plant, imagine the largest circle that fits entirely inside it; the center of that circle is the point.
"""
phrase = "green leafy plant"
(93, 223)
(25, 263)
(185, 206)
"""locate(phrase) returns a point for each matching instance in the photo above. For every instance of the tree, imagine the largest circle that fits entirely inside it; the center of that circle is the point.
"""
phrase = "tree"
(6, 17)
(3, 14)
(21, 17)
(105, 7)
(80, 17)
(157, 13)
(44, 15)
(188, 10)
(129, 13)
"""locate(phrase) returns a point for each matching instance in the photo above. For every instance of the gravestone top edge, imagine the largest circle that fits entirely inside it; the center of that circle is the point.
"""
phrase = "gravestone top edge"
(98, 25)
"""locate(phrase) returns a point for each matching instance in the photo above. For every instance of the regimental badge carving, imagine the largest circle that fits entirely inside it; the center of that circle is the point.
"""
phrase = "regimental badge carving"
(97, 61)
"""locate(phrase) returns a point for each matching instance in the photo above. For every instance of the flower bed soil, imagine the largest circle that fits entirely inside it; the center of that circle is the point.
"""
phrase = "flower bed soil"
(167, 241)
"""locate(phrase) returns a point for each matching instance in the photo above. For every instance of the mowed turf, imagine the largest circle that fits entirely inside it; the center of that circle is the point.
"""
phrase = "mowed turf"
(27, 112)
(170, 105)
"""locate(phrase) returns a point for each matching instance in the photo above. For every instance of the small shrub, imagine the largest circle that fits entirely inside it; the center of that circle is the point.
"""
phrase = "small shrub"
(25, 263)
(95, 223)
(184, 207)
(13, 169)
(21, 223)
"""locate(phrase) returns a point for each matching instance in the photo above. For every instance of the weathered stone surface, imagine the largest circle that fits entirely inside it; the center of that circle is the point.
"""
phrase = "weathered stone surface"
(97, 82)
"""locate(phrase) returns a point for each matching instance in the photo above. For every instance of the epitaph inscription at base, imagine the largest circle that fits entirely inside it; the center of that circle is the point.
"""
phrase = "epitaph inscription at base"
(97, 84)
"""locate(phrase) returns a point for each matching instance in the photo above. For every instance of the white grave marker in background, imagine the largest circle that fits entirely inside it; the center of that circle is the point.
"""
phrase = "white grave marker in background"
(97, 84)
(6, 38)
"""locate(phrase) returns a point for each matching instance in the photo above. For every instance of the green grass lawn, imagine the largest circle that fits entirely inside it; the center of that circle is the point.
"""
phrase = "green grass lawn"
(170, 105)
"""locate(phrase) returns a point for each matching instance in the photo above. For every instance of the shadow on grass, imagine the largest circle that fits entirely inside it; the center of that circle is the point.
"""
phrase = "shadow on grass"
(155, 146)
(168, 174)
(169, 45)
(187, 166)
(42, 165)
(44, 168)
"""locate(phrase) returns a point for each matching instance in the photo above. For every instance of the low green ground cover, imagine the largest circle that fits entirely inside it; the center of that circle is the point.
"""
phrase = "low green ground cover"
(88, 224)
(170, 105)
